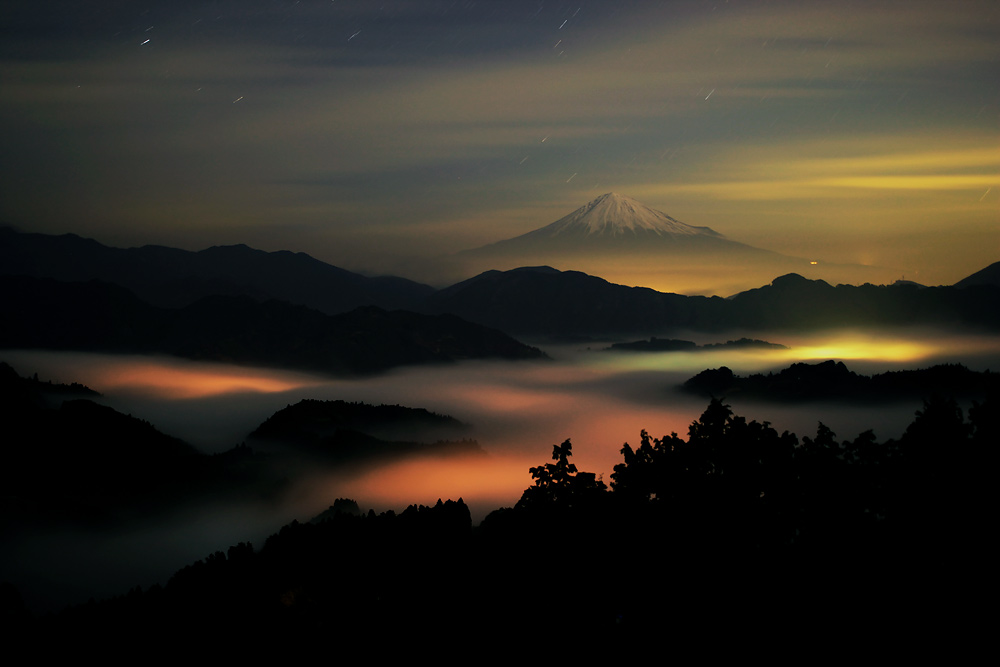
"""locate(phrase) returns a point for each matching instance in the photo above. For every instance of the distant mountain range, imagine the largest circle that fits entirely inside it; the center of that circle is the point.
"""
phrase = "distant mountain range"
(655, 344)
(97, 316)
(173, 278)
(248, 306)
(542, 301)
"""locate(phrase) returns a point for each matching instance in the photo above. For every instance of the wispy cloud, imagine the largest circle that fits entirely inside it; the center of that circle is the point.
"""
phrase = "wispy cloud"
(474, 116)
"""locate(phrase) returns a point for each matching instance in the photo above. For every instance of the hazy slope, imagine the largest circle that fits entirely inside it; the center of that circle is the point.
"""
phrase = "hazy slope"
(988, 276)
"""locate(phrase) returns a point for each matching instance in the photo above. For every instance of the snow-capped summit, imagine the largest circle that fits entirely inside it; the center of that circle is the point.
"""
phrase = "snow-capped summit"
(610, 224)
(624, 241)
(612, 215)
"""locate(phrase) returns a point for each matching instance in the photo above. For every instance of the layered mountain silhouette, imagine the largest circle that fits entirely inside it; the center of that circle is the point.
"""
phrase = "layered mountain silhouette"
(68, 458)
(229, 313)
(172, 278)
(542, 301)
(96, 316)
(628, 242)
(71, 459)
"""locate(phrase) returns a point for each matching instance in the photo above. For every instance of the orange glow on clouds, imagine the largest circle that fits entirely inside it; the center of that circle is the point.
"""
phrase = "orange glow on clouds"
(425, 480)
(195, 381)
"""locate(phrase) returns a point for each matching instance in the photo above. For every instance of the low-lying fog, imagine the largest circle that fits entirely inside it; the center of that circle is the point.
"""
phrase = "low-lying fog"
(517, 411)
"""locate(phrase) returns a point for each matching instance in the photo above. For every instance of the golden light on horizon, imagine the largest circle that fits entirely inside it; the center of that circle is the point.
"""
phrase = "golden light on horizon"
(891, 348)
(849, 348)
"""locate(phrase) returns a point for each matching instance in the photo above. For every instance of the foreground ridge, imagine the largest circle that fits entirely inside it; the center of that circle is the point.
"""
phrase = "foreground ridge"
(736, 512)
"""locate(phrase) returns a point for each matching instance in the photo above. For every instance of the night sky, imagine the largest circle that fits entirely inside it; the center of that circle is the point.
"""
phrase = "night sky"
(378, 135)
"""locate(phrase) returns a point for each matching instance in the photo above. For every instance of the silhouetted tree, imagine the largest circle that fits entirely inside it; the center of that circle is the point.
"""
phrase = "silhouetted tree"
(560, 485)
(653, 472)
(984, 423)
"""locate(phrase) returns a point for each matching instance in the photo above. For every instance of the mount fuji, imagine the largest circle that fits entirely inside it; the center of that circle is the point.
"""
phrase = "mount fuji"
(610, 221)
(625, 241)
(617, 217)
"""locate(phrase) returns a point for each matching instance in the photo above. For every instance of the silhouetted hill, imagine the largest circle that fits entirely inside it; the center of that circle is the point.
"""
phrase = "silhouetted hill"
(541, 301)
(310, 418)
(171, 277)
(13, 384)
(831, 380)
(41, 313)
(77, 460)
(990, 276)
(794, 302)
(342, 431)
(655, 344)
(74, 460)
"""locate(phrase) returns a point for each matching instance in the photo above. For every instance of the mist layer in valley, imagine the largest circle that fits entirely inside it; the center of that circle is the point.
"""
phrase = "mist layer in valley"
(516, 412)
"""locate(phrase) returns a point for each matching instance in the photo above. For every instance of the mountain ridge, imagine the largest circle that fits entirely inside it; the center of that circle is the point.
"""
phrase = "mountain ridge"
(526, 300)
(43, 313)
(174, 278)
(563, 304)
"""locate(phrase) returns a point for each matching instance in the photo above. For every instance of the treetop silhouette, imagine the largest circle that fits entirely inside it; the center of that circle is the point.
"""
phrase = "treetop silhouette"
(560, 484)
